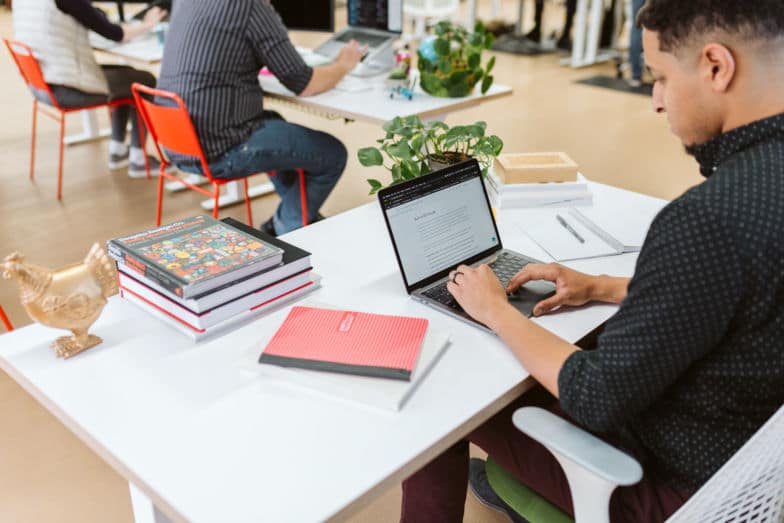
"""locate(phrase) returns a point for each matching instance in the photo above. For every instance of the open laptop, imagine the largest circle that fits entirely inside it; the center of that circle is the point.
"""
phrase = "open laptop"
(374, 23)
(442, 220)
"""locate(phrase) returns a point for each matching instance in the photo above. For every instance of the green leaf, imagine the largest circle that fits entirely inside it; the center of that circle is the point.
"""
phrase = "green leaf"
(445, 66)
(370, 156)
(476, 40)
(457, 78)
(490, 64)
(417, 142)
(409, 169)
(479, 27)
(459, 90)
(473, 60)
(375, 186)
(441, 47)
(432, 84)
(392, 125)
(489, 39)
(486, 83)
(396, 173)
(400, 150)
(497, 144)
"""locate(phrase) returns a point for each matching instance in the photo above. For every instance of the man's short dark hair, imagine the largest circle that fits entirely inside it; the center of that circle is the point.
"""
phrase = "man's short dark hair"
(679, 22)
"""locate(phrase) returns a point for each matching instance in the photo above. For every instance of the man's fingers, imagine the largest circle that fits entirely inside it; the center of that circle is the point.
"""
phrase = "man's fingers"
(545, 306)
(531, 272)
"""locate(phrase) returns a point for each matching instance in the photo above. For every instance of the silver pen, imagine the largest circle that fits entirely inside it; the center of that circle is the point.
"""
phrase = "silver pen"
(569, 228)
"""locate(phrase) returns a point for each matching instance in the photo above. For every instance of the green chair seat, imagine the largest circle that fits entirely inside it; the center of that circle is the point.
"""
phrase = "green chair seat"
(522, 499)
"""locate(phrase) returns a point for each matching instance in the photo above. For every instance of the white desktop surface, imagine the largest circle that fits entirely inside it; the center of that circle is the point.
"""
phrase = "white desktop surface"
(208, 439)
(374, 104)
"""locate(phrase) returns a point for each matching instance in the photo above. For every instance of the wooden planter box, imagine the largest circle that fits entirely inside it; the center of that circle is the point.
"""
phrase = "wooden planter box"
(535, 167)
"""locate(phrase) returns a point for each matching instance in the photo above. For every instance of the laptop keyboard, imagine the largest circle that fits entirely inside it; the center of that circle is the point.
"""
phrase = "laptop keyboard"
(505, 266)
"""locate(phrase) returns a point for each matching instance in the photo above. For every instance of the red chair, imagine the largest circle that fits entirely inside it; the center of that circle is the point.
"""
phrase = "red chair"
(4, 320)
(171, 127)
(32, 76)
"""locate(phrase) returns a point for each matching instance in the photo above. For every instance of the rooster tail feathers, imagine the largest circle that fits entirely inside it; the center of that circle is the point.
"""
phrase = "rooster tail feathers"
(103, 269)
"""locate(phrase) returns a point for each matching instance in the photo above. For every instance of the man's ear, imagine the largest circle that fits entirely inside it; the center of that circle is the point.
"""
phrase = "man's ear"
(718, 64)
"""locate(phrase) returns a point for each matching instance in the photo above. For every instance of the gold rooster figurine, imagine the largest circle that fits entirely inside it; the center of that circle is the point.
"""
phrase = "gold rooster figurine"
(68, 298)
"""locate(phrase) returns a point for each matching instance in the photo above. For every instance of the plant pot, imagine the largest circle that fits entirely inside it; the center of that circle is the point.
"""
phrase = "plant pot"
(445, 159)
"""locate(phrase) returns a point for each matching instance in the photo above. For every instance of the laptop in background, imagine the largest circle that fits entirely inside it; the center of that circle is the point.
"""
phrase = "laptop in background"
(441, 220)
(374, 23)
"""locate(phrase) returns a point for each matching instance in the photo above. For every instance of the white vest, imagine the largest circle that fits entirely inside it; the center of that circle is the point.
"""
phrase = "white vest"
(61, 45)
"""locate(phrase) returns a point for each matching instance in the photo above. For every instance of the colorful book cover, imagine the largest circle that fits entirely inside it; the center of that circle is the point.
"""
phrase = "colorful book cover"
(195, 254)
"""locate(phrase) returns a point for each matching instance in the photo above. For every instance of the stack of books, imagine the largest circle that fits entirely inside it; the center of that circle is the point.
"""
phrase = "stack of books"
(528, 195)
(201, 275)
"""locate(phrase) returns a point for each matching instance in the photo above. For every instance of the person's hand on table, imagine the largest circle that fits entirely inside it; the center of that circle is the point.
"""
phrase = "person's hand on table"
(350, 55)
(154, 17)
(571, 287)
(478, 291)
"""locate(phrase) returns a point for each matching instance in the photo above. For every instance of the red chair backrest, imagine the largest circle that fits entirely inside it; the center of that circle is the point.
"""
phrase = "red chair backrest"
(170, 127)
(28, 66)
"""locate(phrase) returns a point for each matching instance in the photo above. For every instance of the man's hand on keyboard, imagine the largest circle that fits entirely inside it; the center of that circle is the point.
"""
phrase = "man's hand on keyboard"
(478, 291)
(350, 55)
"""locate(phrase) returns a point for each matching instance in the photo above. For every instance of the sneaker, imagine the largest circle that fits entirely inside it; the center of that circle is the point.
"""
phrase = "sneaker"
(484, 493)
(634, 82)
(140, 170)
(268, 228)
(118, 161)
(534, 35)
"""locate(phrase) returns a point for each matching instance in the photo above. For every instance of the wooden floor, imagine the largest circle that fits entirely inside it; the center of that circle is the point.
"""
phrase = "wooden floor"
(46, 474)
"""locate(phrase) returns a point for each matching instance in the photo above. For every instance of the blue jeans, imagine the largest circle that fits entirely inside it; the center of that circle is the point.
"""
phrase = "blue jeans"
(281, 146)
(635, 43)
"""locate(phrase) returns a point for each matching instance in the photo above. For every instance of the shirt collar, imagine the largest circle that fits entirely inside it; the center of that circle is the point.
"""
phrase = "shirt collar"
(716, 151)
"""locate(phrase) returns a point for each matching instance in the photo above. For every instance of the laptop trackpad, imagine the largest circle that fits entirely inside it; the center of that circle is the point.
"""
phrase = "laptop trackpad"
(526, 297)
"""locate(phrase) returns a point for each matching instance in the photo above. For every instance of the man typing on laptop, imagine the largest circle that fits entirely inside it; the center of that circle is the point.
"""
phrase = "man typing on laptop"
(691, 364)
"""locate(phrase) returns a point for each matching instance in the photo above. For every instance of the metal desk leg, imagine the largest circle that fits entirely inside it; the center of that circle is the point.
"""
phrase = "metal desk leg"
(143, 509)
(91, 131)
(587, 29)
(234, 194)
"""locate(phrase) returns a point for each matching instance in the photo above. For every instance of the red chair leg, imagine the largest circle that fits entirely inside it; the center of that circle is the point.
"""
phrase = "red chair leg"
(142, 139)
(216, 197)
(161, 177)
(60, 159)
(5, 321)
(247, 202)
(32, 146)
(303, 196)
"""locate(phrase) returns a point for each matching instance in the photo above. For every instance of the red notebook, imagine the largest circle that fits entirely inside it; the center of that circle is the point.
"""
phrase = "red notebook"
(347, 341)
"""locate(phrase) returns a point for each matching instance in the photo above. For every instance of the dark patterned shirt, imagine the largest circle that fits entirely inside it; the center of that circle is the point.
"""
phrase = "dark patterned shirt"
(212, 57)
(90, 17)
(693, 362)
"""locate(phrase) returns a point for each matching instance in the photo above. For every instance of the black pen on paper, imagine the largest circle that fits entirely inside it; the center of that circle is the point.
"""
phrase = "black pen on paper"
(569, 228)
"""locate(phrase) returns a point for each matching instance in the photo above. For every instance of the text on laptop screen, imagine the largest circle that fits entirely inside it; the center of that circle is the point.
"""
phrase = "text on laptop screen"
(386, 15)
(440, 224)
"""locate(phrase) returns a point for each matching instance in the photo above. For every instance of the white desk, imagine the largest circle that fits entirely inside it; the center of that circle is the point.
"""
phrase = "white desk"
(374, 105)
(195, 429)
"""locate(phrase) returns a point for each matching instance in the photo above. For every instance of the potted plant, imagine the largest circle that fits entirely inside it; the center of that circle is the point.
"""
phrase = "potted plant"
(450, 63)
(413, 148)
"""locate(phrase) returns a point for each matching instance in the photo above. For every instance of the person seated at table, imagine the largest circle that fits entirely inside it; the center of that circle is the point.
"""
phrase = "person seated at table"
(691, 364)
(565, 41)
(57, 32)
(214, 51)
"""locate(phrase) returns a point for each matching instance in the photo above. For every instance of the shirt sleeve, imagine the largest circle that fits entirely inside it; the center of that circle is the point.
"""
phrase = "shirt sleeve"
(682, 298)
(274, 49)
(90, 17)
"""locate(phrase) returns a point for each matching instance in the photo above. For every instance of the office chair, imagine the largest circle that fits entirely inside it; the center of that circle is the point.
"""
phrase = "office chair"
(749, 487)
(31, 73)
(171, 128)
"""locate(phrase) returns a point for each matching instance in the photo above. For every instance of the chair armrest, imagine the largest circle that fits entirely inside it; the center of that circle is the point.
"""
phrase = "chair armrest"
(577, 445)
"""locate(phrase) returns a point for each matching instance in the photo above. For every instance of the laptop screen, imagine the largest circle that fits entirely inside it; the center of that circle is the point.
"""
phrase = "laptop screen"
(385, 15)
(439, 221)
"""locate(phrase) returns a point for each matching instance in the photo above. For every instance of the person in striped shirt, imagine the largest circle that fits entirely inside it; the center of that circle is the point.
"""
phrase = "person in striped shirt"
(212, 57)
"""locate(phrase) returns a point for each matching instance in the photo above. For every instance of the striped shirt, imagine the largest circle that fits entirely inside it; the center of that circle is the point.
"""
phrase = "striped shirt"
(214, 50)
